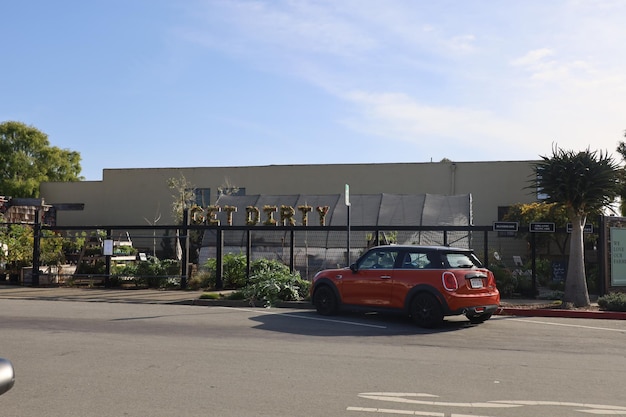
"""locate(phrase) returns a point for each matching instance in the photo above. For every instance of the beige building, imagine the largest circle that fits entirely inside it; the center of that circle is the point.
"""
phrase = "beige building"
(139, 196)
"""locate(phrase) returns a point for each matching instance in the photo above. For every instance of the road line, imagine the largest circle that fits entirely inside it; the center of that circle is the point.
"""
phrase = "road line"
(570, 325)
(296, 316)
(391, 411)
(400, 398)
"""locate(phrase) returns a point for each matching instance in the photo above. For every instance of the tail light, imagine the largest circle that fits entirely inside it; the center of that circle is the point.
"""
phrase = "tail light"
(449, 281)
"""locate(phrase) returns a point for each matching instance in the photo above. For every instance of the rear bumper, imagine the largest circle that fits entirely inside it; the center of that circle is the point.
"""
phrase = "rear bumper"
(476, 311)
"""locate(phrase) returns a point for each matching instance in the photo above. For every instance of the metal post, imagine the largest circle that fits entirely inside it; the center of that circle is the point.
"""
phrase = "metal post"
(348, 242)
(36, 247)
(348, 207)
(185, 250)
(219, 264)
(107, 260)
(486, 248)
(601, 247)
(534, 263)
(248, 254)
(292, 251)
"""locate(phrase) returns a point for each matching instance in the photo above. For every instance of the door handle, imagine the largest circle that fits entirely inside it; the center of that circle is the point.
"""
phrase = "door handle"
(385, 276)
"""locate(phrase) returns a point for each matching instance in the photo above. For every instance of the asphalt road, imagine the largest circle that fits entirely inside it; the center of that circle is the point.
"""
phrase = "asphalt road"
(114, 359)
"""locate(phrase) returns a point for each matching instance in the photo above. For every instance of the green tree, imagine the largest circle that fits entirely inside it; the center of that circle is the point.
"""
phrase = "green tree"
(621, 148)
(27, 159)
(16, 246)
(582, 182)
(540, 212)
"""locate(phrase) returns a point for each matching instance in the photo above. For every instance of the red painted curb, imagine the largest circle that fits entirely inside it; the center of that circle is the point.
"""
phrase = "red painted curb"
(578, 314)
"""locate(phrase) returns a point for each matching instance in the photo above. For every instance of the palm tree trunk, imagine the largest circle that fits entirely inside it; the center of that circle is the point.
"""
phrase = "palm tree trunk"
(576, 283)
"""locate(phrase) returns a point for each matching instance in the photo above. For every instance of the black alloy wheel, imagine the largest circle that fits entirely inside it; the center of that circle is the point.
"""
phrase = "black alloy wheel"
(325, 301)
(426, 311)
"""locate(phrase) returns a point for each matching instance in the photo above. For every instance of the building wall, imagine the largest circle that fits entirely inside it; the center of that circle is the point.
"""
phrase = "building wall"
(140, 195)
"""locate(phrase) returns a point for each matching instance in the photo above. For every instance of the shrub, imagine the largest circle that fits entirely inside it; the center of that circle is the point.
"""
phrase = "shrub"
(171, 266)
(270, 280)
(234, 273)
(267, 265)
(505, 281)
(273, 282)
(615, 301)
(202, 279)
(236, 295)
(544, 271)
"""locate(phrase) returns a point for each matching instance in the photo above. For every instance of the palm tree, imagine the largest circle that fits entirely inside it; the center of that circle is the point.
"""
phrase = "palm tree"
(583, 182)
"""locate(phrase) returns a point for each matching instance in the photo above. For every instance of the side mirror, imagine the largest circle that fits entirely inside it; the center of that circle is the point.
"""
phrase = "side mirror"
(354, 268)
(7, 375)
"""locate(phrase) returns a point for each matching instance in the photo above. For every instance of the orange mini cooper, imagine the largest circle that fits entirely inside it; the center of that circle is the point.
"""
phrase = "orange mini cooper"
(425, 282)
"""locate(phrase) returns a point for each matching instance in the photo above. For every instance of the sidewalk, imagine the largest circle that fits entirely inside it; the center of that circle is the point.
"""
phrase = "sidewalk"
(509, 307)
(141, 296)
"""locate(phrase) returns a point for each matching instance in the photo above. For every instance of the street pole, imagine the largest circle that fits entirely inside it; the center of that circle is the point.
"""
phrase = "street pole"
(36, 248)
(348, 207)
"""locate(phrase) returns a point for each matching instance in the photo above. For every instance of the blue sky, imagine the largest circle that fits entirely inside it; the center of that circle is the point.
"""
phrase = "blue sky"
(164, 83)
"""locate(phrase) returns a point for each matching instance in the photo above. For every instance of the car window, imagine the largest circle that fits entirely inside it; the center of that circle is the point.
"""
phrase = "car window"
(418, 260)
(461, 260)
(379, 260)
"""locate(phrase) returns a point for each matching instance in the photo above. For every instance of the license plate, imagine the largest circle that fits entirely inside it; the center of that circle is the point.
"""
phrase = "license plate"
(476, 282)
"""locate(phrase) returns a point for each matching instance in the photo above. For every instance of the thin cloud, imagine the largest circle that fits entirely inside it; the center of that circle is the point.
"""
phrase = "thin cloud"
(412, 71)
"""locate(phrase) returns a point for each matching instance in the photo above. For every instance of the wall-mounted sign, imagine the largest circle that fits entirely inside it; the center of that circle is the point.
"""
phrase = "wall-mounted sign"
(505, 226)
(542, 227)
(287, 214)
(618, 257)
(587, 229)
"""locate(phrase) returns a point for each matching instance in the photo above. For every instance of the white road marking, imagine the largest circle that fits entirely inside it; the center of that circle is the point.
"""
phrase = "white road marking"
(390, 411)
(570, 325)
(593, 408)
(409, 398)
(296, 316)
(399, 397)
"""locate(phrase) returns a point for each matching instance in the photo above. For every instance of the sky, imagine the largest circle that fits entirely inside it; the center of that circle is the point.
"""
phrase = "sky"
(197, 83)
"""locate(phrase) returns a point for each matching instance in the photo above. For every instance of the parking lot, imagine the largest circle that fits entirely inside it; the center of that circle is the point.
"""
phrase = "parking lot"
(77, 358)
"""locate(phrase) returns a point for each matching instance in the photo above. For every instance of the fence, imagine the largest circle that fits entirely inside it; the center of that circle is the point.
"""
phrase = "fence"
(523, 261)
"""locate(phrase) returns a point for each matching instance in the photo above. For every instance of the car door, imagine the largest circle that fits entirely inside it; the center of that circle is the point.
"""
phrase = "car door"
(370, 284)
(417, 267)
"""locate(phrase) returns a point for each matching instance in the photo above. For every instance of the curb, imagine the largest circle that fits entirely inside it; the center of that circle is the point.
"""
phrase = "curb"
(577, 314)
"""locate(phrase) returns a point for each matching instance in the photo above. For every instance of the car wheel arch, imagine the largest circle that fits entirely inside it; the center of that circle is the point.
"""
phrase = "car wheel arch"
(329, 283)
(427, 289)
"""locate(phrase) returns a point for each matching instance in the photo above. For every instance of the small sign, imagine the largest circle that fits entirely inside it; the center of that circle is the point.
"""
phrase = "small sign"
(587, 229)
(108, 247)
(559, 270)
(347, 195)
(542, 227)
(505, 226)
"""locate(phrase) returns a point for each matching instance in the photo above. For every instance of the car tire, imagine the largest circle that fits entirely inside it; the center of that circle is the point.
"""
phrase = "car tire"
(479, 319)
(426, 311)
(325, 301)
